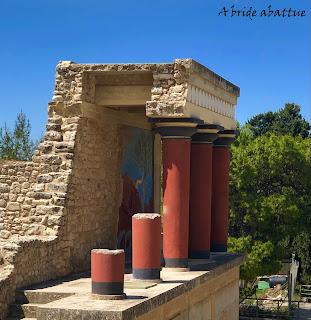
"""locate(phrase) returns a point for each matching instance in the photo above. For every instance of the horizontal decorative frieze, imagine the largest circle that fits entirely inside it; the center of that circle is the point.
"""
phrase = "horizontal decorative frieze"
(206, 100)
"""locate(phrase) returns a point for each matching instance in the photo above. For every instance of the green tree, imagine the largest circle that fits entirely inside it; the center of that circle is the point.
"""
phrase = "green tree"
(261, 257)
(270, 183)
(286, 121)
(301, 246)
(6, 143)
(17, 144)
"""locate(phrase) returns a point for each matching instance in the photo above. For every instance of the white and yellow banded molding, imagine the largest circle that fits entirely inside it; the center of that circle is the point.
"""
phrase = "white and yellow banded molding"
(204, 99)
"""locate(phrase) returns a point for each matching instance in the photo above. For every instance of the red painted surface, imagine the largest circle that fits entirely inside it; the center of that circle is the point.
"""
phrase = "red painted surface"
(220, 195)
(130, 204)
(107, 267)
(200, 196)
(176, 180)
(146, 243)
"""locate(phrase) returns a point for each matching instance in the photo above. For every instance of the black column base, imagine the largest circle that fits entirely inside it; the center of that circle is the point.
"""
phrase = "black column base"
(176, 262)
(219, 248)
(107, 288)
(146, 274)
(203, 254)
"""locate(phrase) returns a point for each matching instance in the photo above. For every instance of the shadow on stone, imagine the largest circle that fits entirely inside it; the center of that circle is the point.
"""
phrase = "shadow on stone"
(131, 297)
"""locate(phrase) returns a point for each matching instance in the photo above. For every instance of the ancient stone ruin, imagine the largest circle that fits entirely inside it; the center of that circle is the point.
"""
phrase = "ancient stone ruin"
(100, 163)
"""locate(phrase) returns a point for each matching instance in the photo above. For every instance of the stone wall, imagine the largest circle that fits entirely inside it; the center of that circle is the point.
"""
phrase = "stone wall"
(33, 193)
(27, 260)
(33, 198)
(169, 90)
(16, 184)
(94, 191)
(59, 206)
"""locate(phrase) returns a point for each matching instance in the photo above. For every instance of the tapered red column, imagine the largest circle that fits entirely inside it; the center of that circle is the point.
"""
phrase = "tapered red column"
(220, 191)
(176, 177)
(176, 147)
(201, 191)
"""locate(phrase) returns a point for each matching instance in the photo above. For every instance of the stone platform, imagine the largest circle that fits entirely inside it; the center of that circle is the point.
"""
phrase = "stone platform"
(211, 293)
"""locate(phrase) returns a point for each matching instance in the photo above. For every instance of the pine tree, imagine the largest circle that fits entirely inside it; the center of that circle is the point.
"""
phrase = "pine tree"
(286, 121)
(17, 144)
(6, 144)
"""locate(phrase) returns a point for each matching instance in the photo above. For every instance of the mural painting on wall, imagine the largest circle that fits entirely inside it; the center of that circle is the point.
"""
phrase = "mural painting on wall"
(137, 180)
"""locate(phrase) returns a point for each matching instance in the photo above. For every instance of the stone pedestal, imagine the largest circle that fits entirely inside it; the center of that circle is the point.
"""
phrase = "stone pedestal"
(201, 191)
(146, 243)
(220, 190)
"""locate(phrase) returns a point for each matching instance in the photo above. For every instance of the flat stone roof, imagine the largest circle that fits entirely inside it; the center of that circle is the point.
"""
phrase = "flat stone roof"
(181, 89)
(190, 64)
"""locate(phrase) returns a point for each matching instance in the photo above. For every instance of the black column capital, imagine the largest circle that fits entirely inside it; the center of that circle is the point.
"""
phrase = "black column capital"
(225, 138)
(206, 133)
(177, 128)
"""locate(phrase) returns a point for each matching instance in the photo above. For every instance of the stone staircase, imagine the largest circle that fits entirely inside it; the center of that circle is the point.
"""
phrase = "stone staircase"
(27, 302)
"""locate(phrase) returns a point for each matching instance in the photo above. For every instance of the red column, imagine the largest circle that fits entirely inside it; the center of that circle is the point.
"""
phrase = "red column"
(146, 234)
(176, 145)
(176, 179)
(201, 191)
(107, 272)
(220, 192)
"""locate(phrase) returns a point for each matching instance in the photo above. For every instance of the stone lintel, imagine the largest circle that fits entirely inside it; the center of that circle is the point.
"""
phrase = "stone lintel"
(100, 114)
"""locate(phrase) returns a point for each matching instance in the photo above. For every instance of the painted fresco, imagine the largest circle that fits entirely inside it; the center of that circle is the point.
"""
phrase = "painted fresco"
(137, 180)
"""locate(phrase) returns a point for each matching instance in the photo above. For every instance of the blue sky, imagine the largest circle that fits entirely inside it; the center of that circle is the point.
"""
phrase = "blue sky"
(269, 58)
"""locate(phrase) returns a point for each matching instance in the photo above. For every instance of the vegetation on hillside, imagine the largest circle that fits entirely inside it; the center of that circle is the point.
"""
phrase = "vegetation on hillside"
(270, 192)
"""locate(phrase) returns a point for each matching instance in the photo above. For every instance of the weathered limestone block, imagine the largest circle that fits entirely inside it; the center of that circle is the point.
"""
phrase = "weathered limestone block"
(44, 178)
(41, 195)
(53, 127)
(56, 187)
(20, 199)
(53, 136)
(26, 185)
(39, 187)
(5, 234)
(2, 203)
(13, 206)
(4, 188)
(12, 197)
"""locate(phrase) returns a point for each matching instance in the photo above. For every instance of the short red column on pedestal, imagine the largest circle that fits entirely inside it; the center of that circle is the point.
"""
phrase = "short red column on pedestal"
(146, 243)
(220, 191)
(107, 272)
(201, 191)
(176, 145)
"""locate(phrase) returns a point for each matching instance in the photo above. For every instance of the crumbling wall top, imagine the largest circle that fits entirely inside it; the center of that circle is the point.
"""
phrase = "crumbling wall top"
(183, 88)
